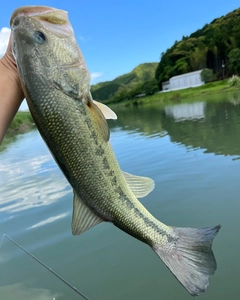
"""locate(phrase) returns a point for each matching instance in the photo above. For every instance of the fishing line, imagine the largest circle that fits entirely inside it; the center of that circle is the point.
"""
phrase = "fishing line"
(1, 242)
(45, 266)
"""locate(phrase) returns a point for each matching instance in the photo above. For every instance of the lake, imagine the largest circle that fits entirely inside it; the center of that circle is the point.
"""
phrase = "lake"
(192, 151)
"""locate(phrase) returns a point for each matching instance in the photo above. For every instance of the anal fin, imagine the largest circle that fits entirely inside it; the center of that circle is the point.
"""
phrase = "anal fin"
(83, 218)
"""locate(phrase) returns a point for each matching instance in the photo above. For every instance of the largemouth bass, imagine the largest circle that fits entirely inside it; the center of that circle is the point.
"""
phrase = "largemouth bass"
(56, 84)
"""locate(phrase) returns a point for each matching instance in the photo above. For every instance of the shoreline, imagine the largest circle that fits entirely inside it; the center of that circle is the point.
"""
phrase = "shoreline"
(23, 121)
(180, 96)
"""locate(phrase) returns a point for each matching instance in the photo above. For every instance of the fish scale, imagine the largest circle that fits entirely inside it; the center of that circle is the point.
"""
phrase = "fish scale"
(56, 84)
(60, 121)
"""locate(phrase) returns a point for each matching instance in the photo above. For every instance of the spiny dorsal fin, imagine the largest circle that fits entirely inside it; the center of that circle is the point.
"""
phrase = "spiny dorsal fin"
(107, 112)
(140, 186)
(100, 119)
(83, 218)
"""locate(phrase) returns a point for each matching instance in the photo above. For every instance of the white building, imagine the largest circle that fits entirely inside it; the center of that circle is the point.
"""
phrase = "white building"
(183, 81)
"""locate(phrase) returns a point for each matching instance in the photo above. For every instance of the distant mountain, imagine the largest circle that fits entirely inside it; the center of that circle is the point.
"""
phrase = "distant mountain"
(215, 46)
(109, 89)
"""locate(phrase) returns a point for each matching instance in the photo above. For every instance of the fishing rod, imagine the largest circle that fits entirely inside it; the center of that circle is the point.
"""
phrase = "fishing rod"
(49, 269)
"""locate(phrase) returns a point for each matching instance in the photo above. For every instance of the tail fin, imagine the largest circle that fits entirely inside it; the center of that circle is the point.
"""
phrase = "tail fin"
(190, 257)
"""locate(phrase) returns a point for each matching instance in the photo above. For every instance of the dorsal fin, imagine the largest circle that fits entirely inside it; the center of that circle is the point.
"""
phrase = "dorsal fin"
(140, 186)
(107, 112)
(83, 218)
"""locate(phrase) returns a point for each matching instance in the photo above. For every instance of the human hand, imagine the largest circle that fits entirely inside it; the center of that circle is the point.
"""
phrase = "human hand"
(11, 93)
(9, 61)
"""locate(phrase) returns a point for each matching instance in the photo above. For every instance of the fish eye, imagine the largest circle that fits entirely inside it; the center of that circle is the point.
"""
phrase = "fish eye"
(39, 37)
(16, 22)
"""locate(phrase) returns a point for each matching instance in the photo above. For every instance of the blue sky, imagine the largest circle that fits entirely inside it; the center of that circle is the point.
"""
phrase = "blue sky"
(116, 36)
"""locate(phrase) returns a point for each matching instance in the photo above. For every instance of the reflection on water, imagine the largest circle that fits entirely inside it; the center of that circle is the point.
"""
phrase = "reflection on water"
(212, 126)
(218, 133)
(177, 147)
(32, 179)
(48, 220)
(20, 292)
(182, 112)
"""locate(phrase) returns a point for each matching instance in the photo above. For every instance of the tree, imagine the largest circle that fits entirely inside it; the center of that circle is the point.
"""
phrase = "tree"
(207, 75)
(234, 60)
(206, 48)
(198, 59)
(181, 66)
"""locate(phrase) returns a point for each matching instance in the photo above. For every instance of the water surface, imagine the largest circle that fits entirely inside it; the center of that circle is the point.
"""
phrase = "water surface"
(191, 151)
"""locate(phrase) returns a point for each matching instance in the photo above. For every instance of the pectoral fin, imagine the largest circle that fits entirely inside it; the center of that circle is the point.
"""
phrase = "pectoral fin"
(99, 119)
(83, 218)
(140, 186)
(107, 112)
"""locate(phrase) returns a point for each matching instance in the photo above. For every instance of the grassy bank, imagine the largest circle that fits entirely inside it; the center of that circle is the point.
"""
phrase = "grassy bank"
(198, 93)
(21, 123)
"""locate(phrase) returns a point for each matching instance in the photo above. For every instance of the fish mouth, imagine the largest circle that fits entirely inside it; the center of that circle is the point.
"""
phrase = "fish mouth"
(38, 11)
(53, 19)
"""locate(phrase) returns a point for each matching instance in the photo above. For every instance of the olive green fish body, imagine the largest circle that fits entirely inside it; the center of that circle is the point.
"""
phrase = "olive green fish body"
(56, 84)
(71, 132)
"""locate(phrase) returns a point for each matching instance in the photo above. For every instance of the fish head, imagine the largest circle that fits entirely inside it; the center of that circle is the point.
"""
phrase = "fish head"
(45, 47)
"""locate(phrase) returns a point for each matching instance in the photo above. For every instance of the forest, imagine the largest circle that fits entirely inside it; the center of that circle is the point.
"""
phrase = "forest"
(216, 46)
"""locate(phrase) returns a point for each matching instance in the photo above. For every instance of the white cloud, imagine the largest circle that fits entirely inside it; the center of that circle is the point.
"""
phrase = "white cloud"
(4, 38)
(96, 75)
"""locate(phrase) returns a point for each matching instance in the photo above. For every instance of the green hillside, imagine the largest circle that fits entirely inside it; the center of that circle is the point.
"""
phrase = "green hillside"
(140, 74)
(216, 44)
(111, 89)
(213, 46)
